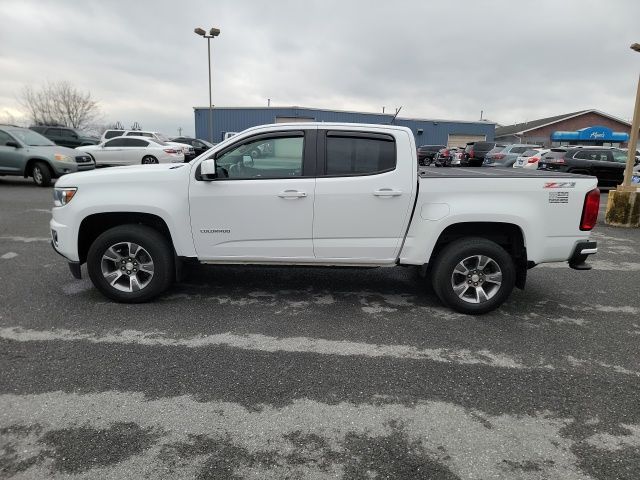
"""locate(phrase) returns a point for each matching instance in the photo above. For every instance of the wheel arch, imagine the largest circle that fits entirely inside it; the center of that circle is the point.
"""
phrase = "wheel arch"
(94, 225)
(29, 166)
(508, 235)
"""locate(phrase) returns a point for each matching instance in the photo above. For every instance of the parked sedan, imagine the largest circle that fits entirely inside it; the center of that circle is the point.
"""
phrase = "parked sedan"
(200, 146)
(133, 150)
(530, 158)
(505, 156)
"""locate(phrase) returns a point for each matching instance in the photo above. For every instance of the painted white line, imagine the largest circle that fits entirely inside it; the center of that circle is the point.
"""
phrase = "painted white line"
(26, 239)
(266, 343)
(9, 255)
(304, 439)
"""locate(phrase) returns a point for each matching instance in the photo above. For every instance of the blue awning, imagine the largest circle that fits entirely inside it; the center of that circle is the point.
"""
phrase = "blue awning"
(596, 133)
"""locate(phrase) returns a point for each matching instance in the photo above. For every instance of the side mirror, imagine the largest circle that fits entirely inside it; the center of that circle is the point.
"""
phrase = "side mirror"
(12, 144)
(208, 169)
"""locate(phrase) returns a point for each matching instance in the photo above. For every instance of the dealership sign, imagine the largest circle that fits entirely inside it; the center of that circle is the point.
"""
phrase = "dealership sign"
(596, 133)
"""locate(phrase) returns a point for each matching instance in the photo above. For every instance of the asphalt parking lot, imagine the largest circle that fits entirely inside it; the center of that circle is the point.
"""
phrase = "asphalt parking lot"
(247, 372)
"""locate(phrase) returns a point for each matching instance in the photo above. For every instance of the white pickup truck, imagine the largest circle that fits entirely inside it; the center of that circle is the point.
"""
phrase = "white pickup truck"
(323, 194)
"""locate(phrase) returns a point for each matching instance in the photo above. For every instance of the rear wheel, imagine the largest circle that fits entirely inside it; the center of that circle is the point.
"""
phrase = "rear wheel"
(473, 275)
(41, 174)
(149, 159)
(130, 263)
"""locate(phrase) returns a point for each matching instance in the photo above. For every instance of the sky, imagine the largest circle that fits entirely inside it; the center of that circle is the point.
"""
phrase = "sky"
(515, 60)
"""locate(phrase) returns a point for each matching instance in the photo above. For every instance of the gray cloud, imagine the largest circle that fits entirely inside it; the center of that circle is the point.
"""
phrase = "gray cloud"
(515, 60)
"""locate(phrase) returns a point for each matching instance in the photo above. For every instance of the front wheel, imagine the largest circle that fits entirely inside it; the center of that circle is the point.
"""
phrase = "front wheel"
(473, 275)
(41, 174)
(130, 263)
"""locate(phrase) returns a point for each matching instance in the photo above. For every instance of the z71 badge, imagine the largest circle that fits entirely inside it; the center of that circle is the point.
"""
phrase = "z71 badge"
(559, 185)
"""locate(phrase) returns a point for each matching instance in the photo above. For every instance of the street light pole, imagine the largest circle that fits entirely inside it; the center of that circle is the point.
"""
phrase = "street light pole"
(633, 138)
(213, 32)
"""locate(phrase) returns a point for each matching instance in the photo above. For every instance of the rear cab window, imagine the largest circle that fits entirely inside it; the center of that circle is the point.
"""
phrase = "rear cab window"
(355, 153)
(113, 133)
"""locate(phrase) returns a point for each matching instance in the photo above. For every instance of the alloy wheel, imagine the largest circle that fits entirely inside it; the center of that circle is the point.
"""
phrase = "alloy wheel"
(127, 267)
(476, 279)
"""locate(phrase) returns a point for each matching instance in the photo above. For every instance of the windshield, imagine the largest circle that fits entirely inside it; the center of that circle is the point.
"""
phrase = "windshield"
(208, 144)
(163, 137)
(31, 138)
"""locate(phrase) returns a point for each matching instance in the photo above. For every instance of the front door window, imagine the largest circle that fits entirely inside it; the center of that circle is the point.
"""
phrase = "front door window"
(266, 158)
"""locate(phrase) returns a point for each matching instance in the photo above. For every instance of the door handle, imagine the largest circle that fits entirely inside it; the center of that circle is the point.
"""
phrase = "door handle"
(387, 192)
(292, 194)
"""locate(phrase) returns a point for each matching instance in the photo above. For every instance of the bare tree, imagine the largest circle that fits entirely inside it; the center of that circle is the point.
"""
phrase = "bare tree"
(60, 103)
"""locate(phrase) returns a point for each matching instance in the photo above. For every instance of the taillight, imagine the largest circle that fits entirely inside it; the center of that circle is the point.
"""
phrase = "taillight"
(590, 210)
(170, 150)
(533, 159)
(471, 152)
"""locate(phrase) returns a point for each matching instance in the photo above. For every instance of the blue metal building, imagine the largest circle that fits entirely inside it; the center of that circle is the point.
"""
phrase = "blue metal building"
(426, 132)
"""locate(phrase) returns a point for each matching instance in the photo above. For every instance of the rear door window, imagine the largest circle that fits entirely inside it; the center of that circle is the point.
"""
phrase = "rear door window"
(593, 155)
(116, 142)
(352, 154)
(134, 142)
(68, 133)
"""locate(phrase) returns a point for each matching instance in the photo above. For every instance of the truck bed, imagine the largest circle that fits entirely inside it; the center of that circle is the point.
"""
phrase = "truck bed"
(492, 172)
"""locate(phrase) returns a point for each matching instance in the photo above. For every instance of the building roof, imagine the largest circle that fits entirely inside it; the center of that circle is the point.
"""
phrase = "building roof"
(386, 114)
(520, 128)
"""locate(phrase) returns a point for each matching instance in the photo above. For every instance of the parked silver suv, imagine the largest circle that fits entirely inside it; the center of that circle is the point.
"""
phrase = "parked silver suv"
(28, 154)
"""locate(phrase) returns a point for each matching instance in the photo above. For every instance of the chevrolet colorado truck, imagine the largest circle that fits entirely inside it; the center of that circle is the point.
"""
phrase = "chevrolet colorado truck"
(326, 195)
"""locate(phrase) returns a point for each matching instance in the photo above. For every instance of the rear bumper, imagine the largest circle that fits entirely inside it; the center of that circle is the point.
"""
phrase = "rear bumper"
(581, 252)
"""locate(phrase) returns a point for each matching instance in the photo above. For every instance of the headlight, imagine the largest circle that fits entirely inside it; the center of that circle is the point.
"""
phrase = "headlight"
(63, 158)
(62, 196)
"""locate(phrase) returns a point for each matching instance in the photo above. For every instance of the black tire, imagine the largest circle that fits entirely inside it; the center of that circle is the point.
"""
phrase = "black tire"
(153, 243)
(41, 174)
(456, 252)
(149, 160)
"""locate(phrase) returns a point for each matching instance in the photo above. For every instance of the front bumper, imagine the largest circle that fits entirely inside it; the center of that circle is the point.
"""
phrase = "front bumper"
(581, 252)
(62, 168)
(74, 267)
(63, 240)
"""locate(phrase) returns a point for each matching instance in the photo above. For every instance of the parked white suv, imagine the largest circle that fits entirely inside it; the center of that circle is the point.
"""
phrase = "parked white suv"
(326, 195)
